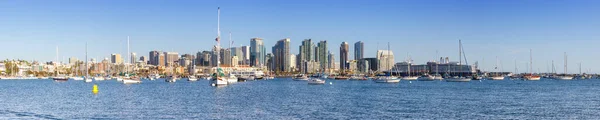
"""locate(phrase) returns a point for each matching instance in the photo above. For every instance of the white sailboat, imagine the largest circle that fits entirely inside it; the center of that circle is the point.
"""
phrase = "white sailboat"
(218, 77)
(129, 79)
(316, 81)
(192, 78)
(565, 76)
(532, 77)
(388, 78)
(459, 78)
(409, 77)
(496, 76)
(87, 78)
(58, 76)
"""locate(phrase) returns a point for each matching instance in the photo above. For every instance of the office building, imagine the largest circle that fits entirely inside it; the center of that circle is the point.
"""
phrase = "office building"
(359, 50)
(343, 56)
(257, 52)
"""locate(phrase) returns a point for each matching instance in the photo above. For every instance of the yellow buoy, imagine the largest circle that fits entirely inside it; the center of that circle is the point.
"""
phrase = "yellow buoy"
(95, 89)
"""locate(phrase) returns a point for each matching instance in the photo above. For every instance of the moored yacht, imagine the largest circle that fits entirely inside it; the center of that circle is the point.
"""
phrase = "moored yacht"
(315, 81)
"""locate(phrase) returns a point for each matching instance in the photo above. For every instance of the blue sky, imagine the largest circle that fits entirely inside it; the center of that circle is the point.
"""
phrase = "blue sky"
(31, 29)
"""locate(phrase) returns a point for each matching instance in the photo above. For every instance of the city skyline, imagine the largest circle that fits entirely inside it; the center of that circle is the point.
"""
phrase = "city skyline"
(419, 31)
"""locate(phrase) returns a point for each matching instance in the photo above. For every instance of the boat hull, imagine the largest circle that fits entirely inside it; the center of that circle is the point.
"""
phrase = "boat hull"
(457, 80)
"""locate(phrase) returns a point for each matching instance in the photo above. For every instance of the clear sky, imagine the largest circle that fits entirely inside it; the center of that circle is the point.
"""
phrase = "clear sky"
(31, 29)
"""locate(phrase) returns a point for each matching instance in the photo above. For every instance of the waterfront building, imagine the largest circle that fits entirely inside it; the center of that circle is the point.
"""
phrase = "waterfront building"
(161, 59)
(143, 59)
(343, 56)
(214, 61)
(372, 63)
(269, 63)
(245, 54)
(73, 60)
(116, 58)
(450, 68)
(292, 59)
(281, 52)
(133, 58)
(237, 53)
(203, 58)
(353, 66)
(153, 57)
(225, 58)
(331, 61)
(359, 50)
(257, 52)
(386, 60)
(362, 65)
(171, 58)
(322, 54)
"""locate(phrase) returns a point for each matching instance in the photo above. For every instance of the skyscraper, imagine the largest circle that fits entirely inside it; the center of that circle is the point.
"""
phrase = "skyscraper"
(237, 53)
(306, 54)
(307, 50)
(359, 50)
(386, 60)
(203, 58)
(322, 54)
(133, 58)
(281, 52)
(245, 54)
(343, 56)
(292, 59)
(257, 52)
(171, 58)
(161, 59)
(331, 64)
(226, 57)
(153, 57)
(116, 58)
(144, 59)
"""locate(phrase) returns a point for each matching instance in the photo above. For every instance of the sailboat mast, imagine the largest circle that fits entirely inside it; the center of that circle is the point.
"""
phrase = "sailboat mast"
(128, 57)
(218, 37)
(565, 63)
(86, 62)
(387, 59)
(530, 61)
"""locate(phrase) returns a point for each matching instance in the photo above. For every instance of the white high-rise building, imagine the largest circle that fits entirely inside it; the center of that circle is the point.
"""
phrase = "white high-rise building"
(292, 62)
(386, 59)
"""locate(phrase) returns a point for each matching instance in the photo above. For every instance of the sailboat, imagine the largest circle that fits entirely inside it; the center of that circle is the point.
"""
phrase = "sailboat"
(459, 78)
(531, 76)
(497, 76)
(87, 76)
(171, 78)
(409, 77)
(565, 76)
(388, 78)
(218, 78)
(58, 76)
(129, 79)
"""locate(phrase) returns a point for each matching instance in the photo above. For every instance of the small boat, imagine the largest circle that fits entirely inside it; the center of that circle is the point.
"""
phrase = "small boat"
(358, 78)
(532, 77)
(87, 79)
(316, 81)
(60, 78)
(76, 78)
(118, 78)
(131, 81)
(564, 77)
(231, 79)
(341, 78)
(300, 77)
(426, 78)
(410, 78)
(387, 79)
(98, 78)
(171, 79)
(192, 78)
(497, 78)
(458, 79)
